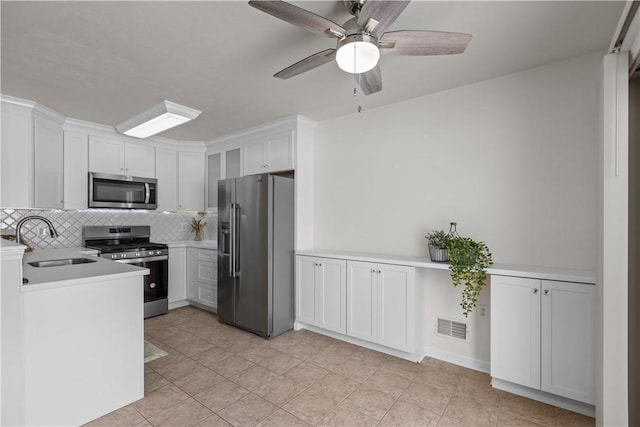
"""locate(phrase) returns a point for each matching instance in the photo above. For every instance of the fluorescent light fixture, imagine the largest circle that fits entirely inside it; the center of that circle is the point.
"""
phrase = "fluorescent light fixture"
(157, 119)
(357, 54)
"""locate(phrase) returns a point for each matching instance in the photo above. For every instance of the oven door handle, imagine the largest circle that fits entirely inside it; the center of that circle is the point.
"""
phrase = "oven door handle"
(137, 260)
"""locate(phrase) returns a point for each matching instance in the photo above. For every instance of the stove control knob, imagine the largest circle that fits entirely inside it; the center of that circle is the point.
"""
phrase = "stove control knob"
(123, 255)
(137, 254)
(114, 256)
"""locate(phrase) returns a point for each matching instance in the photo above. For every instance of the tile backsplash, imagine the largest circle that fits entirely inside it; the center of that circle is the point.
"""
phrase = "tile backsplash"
(165, 227)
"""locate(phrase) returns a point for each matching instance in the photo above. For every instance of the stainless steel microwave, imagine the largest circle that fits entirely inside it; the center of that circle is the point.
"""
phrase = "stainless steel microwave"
(122, 192)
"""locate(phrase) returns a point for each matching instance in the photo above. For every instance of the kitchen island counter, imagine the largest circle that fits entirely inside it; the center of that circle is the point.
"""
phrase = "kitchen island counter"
(203, 244)
(67, 275)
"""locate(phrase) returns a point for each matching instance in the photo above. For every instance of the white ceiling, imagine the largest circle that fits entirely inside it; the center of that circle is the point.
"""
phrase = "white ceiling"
(107, 61)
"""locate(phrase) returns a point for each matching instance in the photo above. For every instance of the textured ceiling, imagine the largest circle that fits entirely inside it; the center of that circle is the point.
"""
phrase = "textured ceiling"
(107, 61)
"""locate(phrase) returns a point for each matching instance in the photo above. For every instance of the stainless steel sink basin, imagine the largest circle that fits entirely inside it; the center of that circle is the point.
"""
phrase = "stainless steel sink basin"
(59, 262)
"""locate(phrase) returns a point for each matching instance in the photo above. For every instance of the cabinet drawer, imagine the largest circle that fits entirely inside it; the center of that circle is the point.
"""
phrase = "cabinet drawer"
(207, 295)
(207, 272)
(207, 255)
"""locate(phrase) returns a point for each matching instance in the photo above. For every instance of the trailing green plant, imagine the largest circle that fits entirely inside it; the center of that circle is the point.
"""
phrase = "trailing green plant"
(468, 262)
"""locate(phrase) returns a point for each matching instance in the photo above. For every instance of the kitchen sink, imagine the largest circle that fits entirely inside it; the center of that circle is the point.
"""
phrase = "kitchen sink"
(59, 262)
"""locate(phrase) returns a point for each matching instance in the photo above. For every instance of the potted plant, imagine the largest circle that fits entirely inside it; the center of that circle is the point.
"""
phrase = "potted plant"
(438, 245)
(197, 226)
(468, 262)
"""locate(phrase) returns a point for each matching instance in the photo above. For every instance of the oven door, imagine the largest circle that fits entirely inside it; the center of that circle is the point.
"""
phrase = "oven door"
(156, 283)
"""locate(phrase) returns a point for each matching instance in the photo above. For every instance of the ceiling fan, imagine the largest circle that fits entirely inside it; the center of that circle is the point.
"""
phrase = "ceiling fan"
(362, 38)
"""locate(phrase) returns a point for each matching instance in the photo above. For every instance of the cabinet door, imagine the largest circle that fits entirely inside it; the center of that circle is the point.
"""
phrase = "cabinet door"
(139, 160)
(254, 158)
(515, 330)
(331, 306)
(568, 326)
(214, 174)
(232, 163)
(167, 176)
(76, 167)
(362, 300)
(279, 155)
(306, 289)
(177, 274)
(16, 152)
(48, 164)
(106, 155)
(190, 181)
(396, 307)
(192, 274)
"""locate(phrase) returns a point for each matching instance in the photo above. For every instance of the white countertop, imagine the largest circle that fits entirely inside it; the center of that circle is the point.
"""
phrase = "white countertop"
(66, 275)
(205, 244)
(537, 272)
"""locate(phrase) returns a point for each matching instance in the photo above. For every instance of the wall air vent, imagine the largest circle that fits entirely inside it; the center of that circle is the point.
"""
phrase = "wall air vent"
(451, 328)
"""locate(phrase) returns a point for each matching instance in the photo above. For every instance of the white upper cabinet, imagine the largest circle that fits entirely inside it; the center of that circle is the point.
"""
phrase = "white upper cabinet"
(17, 152)
(269, 154)
(76, 168)
(223, 164)
(167, 176)
(114, 156)
(191, 181)
(48, 163)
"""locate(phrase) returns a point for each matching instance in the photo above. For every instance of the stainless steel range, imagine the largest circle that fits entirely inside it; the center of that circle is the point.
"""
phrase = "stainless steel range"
(129, 244)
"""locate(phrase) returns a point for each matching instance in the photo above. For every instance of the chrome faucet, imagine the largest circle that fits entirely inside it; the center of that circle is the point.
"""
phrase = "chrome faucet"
(52, 231)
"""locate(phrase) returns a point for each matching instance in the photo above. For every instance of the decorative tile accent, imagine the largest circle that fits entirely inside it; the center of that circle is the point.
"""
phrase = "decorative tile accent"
(165, 227)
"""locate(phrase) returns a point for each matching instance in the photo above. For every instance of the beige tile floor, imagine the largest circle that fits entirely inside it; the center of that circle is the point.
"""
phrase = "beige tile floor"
(217, 375)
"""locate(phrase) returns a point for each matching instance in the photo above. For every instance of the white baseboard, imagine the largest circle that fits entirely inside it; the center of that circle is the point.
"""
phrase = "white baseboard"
(178, 304)
(412, 357)
(544, 397)
(456, 359)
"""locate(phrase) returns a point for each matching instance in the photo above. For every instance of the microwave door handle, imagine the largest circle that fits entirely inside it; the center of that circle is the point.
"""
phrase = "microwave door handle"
(147, 194)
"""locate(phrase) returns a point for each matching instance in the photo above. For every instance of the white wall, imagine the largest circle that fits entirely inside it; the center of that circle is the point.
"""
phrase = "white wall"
(513, 160)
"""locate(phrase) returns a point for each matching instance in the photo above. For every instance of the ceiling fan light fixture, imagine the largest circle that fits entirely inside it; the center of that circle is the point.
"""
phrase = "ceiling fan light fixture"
(357, 53)
(158, 118)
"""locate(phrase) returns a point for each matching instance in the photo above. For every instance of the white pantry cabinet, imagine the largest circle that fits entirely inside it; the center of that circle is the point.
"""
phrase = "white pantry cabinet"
(321, 292)
(115, 156)
(177, 275)
(380, 304)
(542, 335)
(269, 154)
(202, 277)
(191, 181)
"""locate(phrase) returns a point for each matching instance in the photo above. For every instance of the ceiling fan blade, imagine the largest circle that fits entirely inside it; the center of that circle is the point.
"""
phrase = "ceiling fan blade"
(301, 17)
(309, 63)
(371, 81)
(423, 43)
(385, 12)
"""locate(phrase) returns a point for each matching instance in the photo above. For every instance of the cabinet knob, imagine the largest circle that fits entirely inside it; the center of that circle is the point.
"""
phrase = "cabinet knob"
(535, 291)
(373, 270)
(546, 291)
(379, 271)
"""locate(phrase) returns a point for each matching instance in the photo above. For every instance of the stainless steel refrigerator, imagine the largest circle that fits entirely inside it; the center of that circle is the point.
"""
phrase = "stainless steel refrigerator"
(255, 253)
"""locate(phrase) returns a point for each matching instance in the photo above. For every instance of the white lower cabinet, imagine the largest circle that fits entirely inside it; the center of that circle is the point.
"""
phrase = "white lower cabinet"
(321, 292)
(542, 335)
(369, 301)
(380, 304)
(202, 277)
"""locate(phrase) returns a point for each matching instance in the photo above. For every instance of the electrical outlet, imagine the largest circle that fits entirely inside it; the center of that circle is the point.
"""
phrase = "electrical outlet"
(183, 226)
(483, 310)
(43, 231)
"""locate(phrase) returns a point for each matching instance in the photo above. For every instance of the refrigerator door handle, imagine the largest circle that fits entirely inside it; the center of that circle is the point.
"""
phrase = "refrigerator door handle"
(236, 231)
(232, 241)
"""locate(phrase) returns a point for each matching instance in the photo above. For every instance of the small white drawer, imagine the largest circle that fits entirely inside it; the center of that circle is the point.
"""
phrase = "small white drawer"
(207, 255)
(207, 272)
(208, 295)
